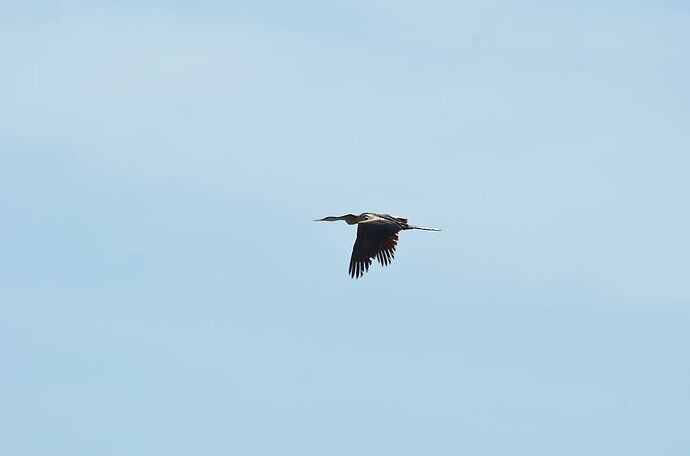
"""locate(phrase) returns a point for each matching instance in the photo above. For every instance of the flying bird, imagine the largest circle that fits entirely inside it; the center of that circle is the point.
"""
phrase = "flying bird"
(377, 237)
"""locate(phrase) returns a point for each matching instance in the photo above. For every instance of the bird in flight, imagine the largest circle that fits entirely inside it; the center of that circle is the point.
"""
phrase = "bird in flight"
(377, 237)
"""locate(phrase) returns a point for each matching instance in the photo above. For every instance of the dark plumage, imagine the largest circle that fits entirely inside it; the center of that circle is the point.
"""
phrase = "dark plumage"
(377, 237)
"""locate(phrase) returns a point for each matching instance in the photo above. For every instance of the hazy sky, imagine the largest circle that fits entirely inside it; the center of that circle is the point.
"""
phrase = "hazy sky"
(164, 290)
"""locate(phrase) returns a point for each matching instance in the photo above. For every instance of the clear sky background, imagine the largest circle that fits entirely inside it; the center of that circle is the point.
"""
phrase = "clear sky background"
(164, 290)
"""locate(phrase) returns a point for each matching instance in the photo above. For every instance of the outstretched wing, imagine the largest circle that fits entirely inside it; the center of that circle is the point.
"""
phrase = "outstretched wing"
(375, 239)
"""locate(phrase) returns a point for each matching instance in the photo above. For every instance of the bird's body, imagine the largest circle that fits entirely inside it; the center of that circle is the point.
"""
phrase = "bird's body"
(377, 237)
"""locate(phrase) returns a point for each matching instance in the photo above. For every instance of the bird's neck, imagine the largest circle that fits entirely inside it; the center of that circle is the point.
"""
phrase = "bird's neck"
(350, 219)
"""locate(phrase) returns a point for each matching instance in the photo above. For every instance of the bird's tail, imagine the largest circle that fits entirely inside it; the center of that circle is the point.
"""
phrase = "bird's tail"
(422, 228)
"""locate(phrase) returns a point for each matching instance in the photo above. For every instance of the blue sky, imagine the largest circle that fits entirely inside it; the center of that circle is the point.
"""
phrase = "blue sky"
(164, 290)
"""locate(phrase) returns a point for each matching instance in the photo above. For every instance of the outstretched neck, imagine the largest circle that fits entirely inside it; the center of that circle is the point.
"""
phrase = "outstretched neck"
(350, 219)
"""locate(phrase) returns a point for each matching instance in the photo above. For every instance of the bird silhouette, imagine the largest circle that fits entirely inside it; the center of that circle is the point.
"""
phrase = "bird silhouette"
(377, 237)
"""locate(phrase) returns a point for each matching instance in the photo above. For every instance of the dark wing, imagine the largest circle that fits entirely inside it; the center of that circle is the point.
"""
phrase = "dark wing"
(374, 239)
(386, 251)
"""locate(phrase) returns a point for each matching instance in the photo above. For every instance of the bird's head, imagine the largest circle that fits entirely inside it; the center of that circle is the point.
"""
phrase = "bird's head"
(350, 219)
